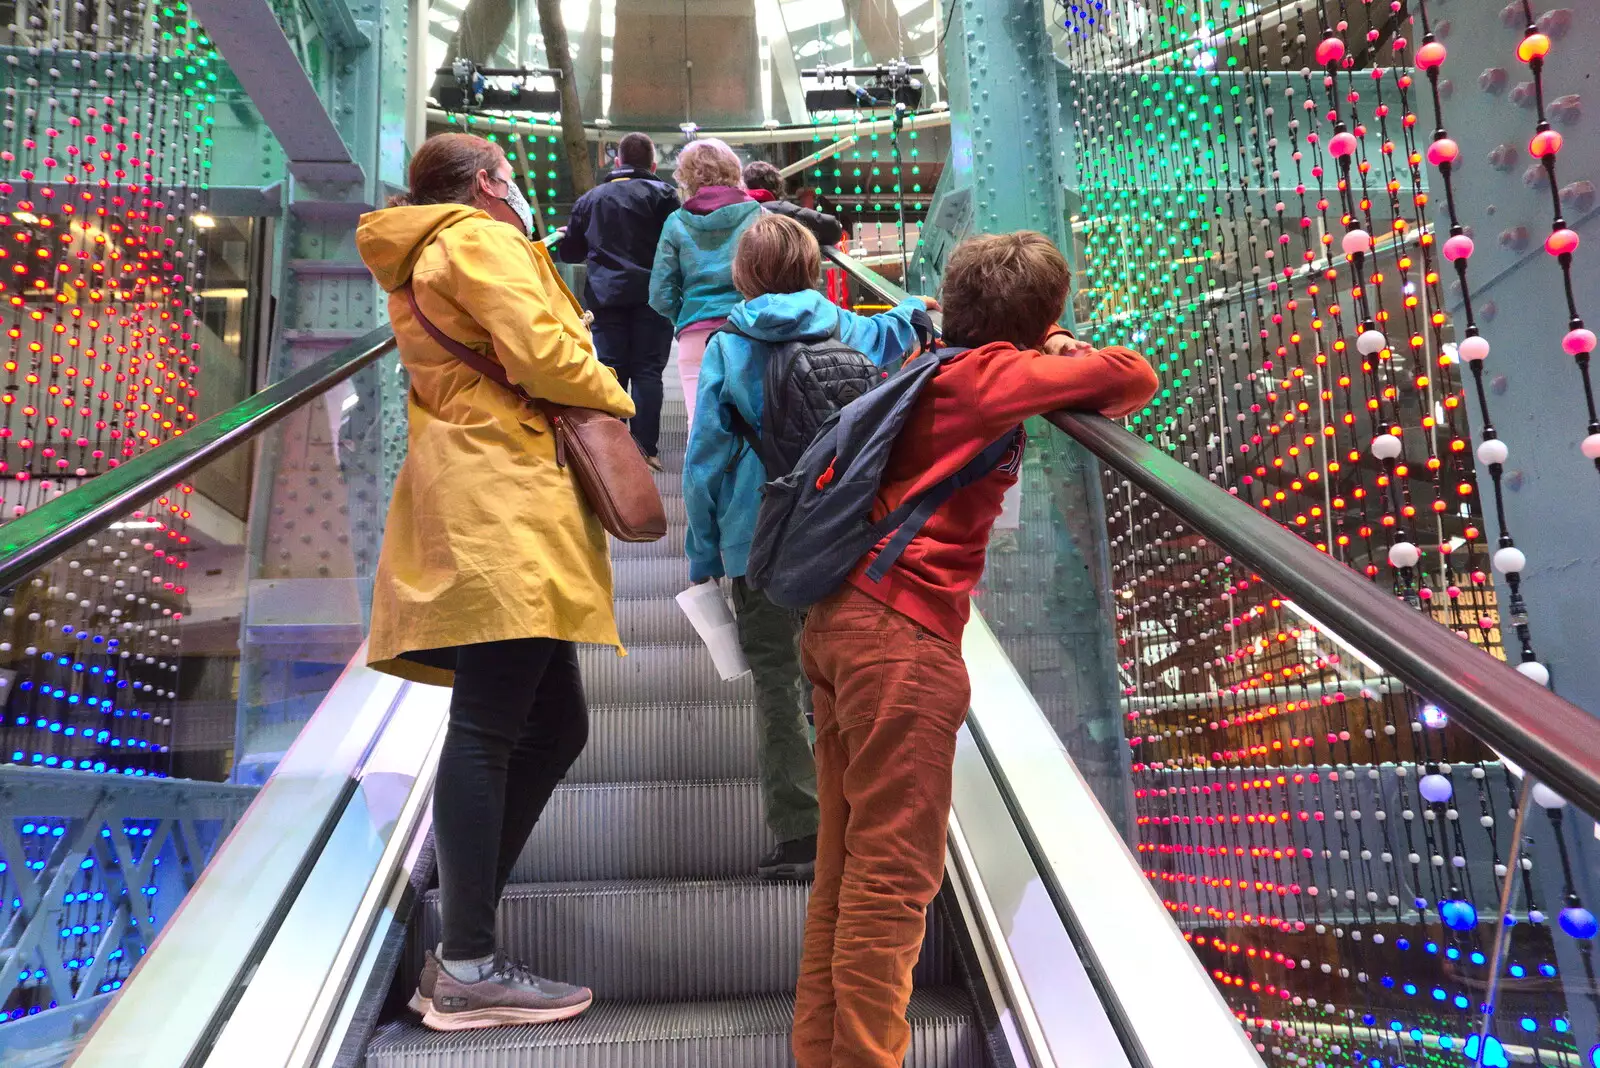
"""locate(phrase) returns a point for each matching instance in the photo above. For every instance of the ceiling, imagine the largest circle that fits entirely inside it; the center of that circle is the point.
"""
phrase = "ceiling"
(655, 64)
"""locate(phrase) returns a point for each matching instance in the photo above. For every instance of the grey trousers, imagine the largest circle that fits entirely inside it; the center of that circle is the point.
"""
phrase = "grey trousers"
(770, 637)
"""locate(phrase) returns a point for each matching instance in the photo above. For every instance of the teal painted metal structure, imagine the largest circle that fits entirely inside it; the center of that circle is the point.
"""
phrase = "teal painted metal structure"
(322, 483)
(1010, 168)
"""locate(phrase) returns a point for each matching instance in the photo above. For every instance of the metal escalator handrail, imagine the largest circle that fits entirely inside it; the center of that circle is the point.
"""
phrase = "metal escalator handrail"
(1550, 737)
(1503, 707)
(33, 540)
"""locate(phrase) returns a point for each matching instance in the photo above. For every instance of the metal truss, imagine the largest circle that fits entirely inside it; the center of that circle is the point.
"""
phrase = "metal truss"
(90, 869)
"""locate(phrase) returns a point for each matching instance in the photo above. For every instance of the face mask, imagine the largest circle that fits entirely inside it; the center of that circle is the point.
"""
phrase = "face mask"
(519, 204)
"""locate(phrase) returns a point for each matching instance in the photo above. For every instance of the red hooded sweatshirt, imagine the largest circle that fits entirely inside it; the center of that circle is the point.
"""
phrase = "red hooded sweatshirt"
(977, 398)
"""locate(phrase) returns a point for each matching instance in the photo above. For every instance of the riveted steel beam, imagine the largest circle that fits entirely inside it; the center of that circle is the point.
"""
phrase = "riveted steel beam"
(260, 56)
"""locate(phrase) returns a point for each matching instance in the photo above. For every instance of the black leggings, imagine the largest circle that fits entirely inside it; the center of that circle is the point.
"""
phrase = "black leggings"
(517, 722)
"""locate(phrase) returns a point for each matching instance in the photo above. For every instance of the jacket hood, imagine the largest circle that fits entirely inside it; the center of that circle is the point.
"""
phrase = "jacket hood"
(391, 240)
(781, 317)
(714, 198)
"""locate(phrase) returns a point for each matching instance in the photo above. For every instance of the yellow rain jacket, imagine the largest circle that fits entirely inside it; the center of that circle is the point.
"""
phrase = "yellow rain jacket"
(487, 538)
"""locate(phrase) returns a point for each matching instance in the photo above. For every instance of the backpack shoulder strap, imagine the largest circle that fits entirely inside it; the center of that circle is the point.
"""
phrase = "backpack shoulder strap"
(908, 520)
(741, 426)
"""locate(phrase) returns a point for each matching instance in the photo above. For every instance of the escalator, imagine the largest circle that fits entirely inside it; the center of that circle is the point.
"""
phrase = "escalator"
(1074, 929)
(639, 876)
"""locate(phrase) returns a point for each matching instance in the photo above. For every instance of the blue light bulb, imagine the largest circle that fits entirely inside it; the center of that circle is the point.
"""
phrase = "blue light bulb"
(1461, 916)
(1579, 922)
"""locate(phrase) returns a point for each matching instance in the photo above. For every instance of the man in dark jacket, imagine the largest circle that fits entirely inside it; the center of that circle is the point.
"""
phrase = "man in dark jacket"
(766, 185)
(614, 230)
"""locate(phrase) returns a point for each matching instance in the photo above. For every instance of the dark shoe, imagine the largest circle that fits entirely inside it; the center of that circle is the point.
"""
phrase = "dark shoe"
(422, 1001)
(510, 995)
(793, 861)
(655, 463)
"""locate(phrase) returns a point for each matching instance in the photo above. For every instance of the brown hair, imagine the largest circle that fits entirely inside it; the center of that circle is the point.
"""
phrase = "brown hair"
(445, 169)
(636, 150)
(760, 174)
(1004, 287)
(775, 255)
(707, 161)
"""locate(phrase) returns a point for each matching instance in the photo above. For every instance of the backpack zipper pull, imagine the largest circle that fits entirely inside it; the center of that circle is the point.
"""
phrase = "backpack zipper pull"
(826, 476)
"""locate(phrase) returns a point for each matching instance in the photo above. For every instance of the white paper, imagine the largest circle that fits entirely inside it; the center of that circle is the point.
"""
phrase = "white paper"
(713, 620)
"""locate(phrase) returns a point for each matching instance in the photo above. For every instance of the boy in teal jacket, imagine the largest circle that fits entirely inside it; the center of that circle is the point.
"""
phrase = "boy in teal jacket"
(776, 264)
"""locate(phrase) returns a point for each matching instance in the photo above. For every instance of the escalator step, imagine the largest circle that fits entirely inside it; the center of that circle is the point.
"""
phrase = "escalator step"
(681, 673)
(661, 576)
(652, 830)
(668, 741)
(741, 1033)
(654, 940)
(654, 621)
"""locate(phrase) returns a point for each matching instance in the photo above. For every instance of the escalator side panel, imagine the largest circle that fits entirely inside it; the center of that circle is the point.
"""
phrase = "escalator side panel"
(209, 945)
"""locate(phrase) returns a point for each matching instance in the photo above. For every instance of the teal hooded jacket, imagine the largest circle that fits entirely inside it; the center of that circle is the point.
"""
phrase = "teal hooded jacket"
(692, 279)
(722, 475)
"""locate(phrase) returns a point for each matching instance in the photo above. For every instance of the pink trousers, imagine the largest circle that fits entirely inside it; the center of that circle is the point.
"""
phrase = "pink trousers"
(691, 351)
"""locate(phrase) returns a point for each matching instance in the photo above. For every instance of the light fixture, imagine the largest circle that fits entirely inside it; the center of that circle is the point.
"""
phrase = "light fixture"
(203, 221)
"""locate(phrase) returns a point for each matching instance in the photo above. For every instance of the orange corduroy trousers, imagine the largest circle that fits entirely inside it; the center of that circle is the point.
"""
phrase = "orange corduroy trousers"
(889, 697)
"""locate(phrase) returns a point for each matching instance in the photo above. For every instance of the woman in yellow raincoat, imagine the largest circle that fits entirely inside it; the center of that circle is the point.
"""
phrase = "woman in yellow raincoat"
(492, 565)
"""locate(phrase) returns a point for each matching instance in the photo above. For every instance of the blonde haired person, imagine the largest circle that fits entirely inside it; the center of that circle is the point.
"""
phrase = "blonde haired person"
(692, 281)
(492, 564)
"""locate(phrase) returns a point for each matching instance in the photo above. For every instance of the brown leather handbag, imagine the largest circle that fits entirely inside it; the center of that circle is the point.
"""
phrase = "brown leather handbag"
(610, 469)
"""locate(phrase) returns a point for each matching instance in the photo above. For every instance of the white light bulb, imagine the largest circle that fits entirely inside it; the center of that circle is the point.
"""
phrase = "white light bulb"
(1403, 554)
(1509, 560)
(1545, 797)
(1493, 451)
(1535, 671)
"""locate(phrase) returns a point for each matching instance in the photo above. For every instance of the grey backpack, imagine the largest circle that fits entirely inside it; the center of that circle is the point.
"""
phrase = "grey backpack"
(815, 523)
(804, 382)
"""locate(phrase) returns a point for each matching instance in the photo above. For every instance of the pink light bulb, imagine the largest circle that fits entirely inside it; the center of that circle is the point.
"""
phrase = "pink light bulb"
(1342, 144)
(1330, 50)
(1443, 151)
(1577, 342)
(1561, 242)
(1458, 247)
(1431, 55)
(1544, 143)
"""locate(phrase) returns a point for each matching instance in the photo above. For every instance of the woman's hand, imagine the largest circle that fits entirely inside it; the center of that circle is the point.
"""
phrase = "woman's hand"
(931, 303)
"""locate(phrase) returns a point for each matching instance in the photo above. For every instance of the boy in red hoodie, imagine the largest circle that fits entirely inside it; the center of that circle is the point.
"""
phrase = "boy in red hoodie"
(885, 657)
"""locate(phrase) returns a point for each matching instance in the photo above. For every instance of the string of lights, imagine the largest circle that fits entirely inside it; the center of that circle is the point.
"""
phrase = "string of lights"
(1256, 213)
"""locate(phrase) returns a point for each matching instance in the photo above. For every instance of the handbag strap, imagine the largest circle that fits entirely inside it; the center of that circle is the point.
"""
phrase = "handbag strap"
(484, 365)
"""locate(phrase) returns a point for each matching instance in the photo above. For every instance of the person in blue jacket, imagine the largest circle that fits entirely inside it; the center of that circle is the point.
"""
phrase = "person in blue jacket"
(775, 266)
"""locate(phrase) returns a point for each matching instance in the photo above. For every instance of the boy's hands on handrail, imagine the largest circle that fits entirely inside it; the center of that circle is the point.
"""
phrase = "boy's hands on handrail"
(1060, 343)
